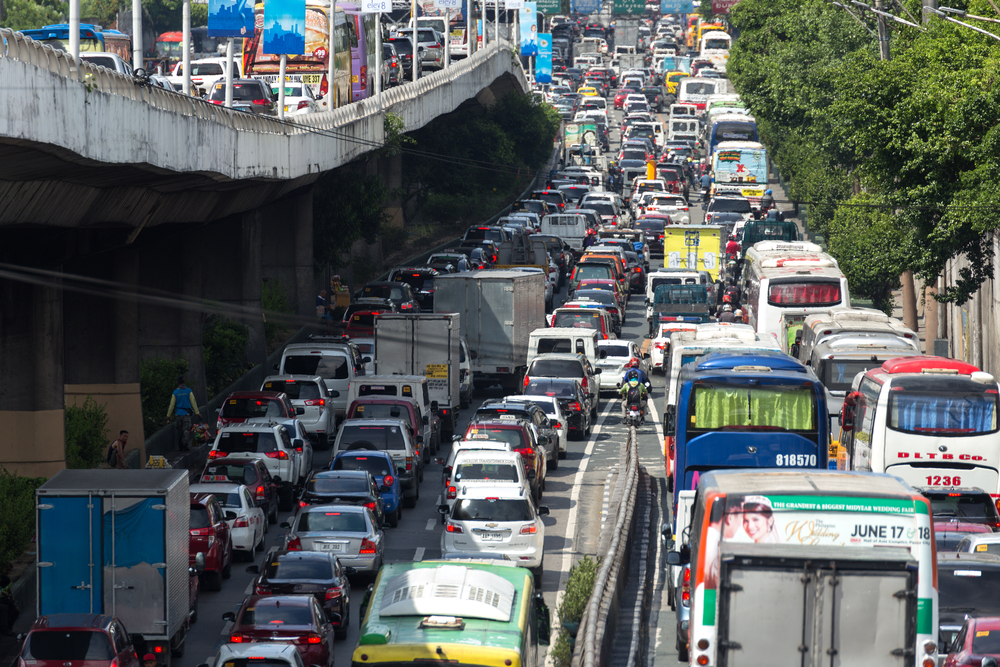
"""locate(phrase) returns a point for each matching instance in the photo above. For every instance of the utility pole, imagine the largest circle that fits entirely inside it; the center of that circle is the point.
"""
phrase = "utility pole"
(883, 31)
(928, 7)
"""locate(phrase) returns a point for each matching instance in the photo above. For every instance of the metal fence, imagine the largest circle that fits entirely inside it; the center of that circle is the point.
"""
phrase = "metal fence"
(597, 627)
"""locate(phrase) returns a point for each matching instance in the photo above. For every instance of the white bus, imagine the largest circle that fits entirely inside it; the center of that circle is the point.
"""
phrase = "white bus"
(696, 91)
(789, 277)
(929, 420)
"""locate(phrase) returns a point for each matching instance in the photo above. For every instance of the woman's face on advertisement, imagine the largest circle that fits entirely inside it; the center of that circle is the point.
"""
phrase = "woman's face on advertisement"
(755, 524)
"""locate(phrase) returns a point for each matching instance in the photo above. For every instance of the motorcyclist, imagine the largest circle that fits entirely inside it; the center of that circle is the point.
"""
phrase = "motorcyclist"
(643, 378)
(767, 201)
(633, 392)
(727, 314)
(738, 316)
(706, 184)
(733, 247)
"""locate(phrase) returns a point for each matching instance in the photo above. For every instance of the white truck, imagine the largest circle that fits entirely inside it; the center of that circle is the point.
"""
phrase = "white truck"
(423, 344)
(499, 310)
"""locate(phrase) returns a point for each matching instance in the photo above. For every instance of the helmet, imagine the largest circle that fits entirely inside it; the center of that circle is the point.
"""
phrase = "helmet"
(727, 308)
(767, 192)
(632, 375)
(634, 363)
(738, 312)
(726, 298)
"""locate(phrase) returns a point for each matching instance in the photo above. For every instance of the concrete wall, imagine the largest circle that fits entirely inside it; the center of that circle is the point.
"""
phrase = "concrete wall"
(123, 404)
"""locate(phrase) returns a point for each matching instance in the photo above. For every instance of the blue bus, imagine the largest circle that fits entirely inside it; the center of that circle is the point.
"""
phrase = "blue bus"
(760, 410)
(732, 127)
(93, 38)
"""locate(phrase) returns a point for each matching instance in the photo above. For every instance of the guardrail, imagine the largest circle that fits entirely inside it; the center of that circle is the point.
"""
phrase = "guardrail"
(593, 642)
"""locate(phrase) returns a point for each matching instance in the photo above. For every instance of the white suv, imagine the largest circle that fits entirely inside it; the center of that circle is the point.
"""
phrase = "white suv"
(311, 394)
(273, 446)
(496, 520)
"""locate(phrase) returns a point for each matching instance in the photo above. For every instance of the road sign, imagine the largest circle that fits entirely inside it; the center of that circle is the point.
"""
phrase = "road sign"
(585, 6)
(676, 7)
(630, 7)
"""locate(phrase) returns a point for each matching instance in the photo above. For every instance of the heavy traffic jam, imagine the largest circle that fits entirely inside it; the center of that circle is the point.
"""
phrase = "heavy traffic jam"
(829, 490)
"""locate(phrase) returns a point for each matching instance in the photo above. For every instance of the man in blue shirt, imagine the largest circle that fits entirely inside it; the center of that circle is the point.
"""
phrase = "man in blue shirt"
(182, 406)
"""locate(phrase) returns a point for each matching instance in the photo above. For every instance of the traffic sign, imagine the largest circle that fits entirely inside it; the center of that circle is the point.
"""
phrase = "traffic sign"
(629, 7)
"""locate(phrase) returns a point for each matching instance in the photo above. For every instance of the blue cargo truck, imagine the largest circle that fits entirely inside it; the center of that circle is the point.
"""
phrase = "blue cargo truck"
(115, 542)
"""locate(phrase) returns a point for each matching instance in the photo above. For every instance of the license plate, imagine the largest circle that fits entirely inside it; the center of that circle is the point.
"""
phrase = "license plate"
(324, 546)
(491, 537)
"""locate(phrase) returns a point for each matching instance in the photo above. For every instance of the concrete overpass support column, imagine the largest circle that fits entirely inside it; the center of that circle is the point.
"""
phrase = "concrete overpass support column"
(250, 253)
(287, 250)
(32, 413)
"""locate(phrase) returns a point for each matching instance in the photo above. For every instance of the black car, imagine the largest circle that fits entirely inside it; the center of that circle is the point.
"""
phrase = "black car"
(653, 231)
(654, 95)
(967, 586)
(965, 504)
(421, 281)
(393, 64)
(551, 196)
(572, 399)
(404, 50)
(251, 473)
(249, 95)
(400, 294)
(498, 408)
(493, 233)
(316, 573)
(344, 487)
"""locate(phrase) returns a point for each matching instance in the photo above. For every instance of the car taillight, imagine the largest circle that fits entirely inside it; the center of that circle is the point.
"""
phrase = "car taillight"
(584, 383)
(303, 104)
(320, 402)
(575, 406)
(203, 532)
(453, 528)
(364, 74)
(388, 480)
(526, 380)
(367, 546)
(216, 454)
(311, 638)
(302, 504)
(324, 86)
(660, 346)
(237, 639)
(262, 102)
(370, 505)
(282, 456)
(241, 522)
(332, 594)
(452, 493)
(260, 493)
(409, 463)
(529, 529)
(527, 452)
(294, 545)
(686, 587)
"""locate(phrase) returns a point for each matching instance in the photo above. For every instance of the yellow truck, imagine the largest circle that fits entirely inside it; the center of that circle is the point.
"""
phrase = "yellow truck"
(694, 247)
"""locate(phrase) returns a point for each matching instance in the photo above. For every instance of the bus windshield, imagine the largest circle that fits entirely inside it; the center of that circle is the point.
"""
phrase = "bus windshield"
(717, 44)
(759, 408)
(732, 131)
(942, 406)
(838, 374)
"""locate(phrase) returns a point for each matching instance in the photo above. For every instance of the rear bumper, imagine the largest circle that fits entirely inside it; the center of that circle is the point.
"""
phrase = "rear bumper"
(367, 563)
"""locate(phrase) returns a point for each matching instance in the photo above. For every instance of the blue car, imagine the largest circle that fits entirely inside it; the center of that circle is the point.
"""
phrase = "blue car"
(381, 467)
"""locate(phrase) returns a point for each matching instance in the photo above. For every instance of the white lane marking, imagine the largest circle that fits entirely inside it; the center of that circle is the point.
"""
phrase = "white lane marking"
(431, 523)
(419, 555)
(574, 502)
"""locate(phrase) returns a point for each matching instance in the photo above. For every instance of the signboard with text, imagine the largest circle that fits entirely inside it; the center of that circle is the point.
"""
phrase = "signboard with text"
(676, 6)
(722, 6)
(585, 6)
(629, 7)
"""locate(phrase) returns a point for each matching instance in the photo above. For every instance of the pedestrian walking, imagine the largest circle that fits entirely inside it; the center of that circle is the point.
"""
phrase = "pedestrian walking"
(116, 452)
(182, 406)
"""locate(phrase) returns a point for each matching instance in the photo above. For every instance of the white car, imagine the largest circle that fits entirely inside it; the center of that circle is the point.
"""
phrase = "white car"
(659, 346)
(555, 414)
(496, 520)
(299, 98)
(247, 522)
(272, 445)
(367, 347)
(204, 74)
(272, 655)
(305, 450)
(617, 354)
(459, 445)
(308, 392)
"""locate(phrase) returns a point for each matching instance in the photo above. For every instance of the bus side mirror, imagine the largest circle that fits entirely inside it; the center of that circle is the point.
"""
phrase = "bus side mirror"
(542, 620)
(847, 418)
(670, 420)
(682, 557)
(794, 350)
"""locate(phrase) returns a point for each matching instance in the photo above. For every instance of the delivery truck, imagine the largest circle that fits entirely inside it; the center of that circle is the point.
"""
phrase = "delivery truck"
(116, 542)
(423, 344)
(498, 311)
(694, 247)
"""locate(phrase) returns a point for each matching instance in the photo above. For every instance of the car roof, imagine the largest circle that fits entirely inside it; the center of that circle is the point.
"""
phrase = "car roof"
(956, 559)
(209, 488)
(294, 378)
(250, 428)
(276, 600)
(347, 474)
(326, 507)
(371, 422)
(504, 491)
(256, 394)
(356, 453)
(562, 356)
(85, 621)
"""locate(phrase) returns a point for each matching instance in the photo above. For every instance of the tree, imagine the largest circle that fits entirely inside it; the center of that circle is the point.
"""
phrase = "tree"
(348, 206)
(32, 14)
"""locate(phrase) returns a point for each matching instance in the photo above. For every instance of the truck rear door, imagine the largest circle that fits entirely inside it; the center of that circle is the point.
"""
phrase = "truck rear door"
(68, 580)
(812, 606)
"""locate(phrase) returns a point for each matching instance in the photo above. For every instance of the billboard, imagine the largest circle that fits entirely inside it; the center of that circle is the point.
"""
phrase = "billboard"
(543, 64)
(549, 7)
(529, 29)
(722, 6)
(630, 7)
(230, 18)
(285, 27)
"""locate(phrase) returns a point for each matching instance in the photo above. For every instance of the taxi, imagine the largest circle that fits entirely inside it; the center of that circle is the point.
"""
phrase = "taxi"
(587, 91)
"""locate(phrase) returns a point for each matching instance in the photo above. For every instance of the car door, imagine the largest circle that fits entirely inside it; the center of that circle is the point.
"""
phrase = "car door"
(218, 519)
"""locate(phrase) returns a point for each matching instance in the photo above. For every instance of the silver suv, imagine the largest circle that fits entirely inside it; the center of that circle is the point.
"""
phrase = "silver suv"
(430, 45)
(273, 446)
(310, 393)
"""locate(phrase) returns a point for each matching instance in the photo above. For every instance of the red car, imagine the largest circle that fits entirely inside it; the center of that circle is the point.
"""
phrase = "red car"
(209, 534)
(93, 640)
(979, 638)
(253, 474)
(256, 406)
(295, 619)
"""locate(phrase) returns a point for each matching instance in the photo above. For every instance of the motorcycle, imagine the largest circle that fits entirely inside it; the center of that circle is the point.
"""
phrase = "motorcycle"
(634, 416)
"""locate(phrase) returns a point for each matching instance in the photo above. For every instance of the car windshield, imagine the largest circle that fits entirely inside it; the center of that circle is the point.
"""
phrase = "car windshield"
(968, 507)
(304, 391)
(581, 318)
(327, 366)
(199, 518)
(493, 509)
(838, 374)
(238, 473)
(253, 408)
(649, 226)
(616, 350)
(483, 234)
(334, 485)
(970, 586)
(486, 472)
(380, 411)
(242, 92)
(555, 368)
(259, 443)
(601, 207)
(332, 522)
(544, 387)
(294, 567)
(986, 642)
(593, 271)
(226, 500)
(757, 408)
(377, 437)
(402, 46)
(513, 436)
(376, 465)
(734, 205)
(68, 645)
(274, 616)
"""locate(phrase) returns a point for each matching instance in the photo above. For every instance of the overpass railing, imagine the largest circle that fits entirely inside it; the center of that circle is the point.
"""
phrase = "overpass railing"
(16, 46)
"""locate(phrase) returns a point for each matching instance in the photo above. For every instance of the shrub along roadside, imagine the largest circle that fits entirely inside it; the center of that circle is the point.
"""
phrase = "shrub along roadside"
(579, 586)
(86, 434)
(157, 381)
(17, 521)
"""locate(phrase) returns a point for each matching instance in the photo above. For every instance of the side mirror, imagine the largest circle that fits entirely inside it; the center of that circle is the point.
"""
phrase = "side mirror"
(543, 510)
(218, 410)
(285, 524)
(598, 371)
(297, 443)
(473, 354)
(366, 360)
(989, 662)
(665, 531)
(229, 616)
(542, 620)
(230, 515)
(199, 562)
(435, 406)
(365, 599)
(350, 571)
(333, 393)
(439, 461)
(253, 569)
(682, 557)
(456, 438)
(670, 420)
(420, 439)
(333, 617)
(300, 411)
(532, 474)
(134, 636)
(274, 367)
(442, 509)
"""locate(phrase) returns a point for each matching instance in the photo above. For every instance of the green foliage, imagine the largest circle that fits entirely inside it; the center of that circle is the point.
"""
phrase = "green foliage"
(274, 298)
(473, 165)
(915, 137)
(17, 521)
(86, 434)
(348, 206)
(157, 381)
(31, 14)
(225, 343)
(579, 586)
(395, 135)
